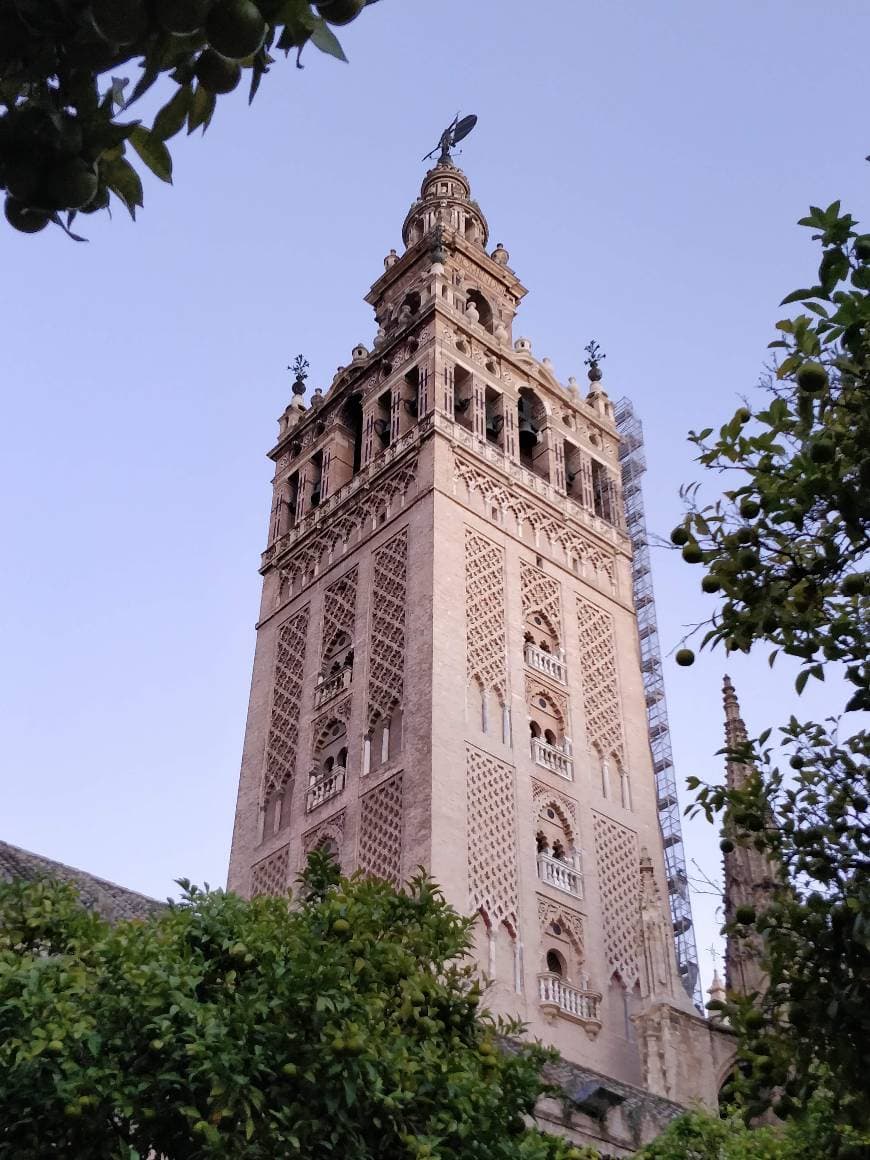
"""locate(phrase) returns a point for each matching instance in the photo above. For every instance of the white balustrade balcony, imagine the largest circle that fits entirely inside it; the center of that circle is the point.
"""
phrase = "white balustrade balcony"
(556, 760)
(546, 663)
(327, 786)
(331, 686)
(563, 875)
(560, 998)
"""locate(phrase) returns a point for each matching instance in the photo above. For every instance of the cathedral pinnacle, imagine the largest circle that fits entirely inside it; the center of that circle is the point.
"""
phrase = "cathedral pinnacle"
(735, 735)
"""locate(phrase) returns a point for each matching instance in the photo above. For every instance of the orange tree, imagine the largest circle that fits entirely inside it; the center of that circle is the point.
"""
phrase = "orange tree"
(347, 1025)
(66, 136)
(784, 553)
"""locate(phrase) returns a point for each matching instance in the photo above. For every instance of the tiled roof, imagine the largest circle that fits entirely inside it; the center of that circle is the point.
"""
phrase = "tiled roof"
(110, 901)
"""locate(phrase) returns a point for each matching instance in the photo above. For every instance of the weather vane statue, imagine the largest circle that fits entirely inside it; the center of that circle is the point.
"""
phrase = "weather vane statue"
(454, 133)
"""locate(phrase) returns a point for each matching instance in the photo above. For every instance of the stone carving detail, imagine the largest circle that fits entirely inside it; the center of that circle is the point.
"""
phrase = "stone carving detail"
(361, 514)
(287, 690)
(570, 921)
(616, 854)
(380, 831)
(485, 613)
(536, 688)
(543, 795)
(540, 593)
(339, 610)
(600, 684)
(339, 712)
(332, 829)
(574, 545)
(270, 875)
(387, 650)
(491, 841)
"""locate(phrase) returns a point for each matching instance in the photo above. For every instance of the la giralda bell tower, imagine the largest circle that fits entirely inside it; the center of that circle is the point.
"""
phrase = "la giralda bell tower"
(447, 669)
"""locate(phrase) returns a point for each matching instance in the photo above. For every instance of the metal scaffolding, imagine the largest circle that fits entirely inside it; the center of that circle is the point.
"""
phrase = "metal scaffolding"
(633, 463)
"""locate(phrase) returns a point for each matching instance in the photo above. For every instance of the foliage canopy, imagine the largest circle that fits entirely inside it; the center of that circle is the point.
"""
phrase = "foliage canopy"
(63, 142)
(347, 1025)
(785, 550)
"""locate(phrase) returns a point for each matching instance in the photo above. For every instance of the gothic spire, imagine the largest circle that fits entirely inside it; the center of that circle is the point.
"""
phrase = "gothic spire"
(736, 736)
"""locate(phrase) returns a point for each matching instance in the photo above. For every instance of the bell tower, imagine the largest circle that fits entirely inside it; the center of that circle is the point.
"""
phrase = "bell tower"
(447, 669)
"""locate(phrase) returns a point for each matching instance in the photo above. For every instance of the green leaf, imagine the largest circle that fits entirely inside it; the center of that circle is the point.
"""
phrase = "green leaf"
(202, 108)
(798, 296)
(802, 678)
(120, 176)
(172, 116)
(153, 152)
(326, 40)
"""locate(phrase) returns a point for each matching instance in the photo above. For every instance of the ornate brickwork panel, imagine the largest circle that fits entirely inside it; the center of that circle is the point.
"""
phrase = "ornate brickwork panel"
(270, 875)
(543, 795)
(492, 848)
(330, 830)
(380, 831)
(540, 593)
(570, 921)
(600, 684)
(537, 689)
(387, 648)
(616, 854)
(287, 690)
(339, 712)
(573, 544)
(485, 613)
(339, 610)
(355, 517)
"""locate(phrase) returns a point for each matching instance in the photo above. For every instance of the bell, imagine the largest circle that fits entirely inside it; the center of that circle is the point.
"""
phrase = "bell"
(494, 425)
(527, 433)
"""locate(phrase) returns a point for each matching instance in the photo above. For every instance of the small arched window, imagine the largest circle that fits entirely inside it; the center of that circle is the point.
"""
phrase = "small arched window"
(555, 963)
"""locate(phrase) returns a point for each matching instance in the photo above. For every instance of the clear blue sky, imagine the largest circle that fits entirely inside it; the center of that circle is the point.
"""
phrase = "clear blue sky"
(643, 163)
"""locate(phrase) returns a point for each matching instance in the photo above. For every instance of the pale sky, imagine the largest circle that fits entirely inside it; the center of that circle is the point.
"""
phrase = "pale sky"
(643, 163)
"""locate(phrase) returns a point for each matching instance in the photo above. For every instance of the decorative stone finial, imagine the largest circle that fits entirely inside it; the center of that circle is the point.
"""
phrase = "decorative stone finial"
(523, 346)
(299, 368)
(317, 398)
(594, 355)
(390, 259)
(500, 254)
(716, 992)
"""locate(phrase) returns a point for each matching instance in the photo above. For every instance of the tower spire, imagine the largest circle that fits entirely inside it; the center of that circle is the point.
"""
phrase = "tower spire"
(736, 772)
(749, 876)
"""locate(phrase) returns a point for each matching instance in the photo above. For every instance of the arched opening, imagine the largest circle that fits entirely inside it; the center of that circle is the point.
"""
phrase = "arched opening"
(574, 475)
(478, 310)
(494, 403)
(463, 398)
(556, 963)
(327, 775)
(352, 420)
(558, 859)
(409, 391)
(531, 421)
(410, 306)
(603, 492)
(382, 419)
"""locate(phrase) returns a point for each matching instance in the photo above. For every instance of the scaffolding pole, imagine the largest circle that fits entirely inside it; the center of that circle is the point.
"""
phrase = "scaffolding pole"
(633, 463)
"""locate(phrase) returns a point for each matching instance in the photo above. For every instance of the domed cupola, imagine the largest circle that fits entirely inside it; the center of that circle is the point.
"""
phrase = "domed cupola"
(445, 200)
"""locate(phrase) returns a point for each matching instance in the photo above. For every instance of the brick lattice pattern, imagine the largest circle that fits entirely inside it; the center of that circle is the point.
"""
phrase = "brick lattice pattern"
(574, 545)
(380, 831)
(600, 683)
(484, 613)
(616, 854)
(270, 875)
(387, 649)
(339, 609)
(284, 723)
(540, 593)
(492, 842)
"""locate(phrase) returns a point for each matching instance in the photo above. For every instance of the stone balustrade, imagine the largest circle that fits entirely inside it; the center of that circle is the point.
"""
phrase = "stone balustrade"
(546, 663)
(561, 998)
(331, 686)
(326, 786)
(556, 760)
(562, 875)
